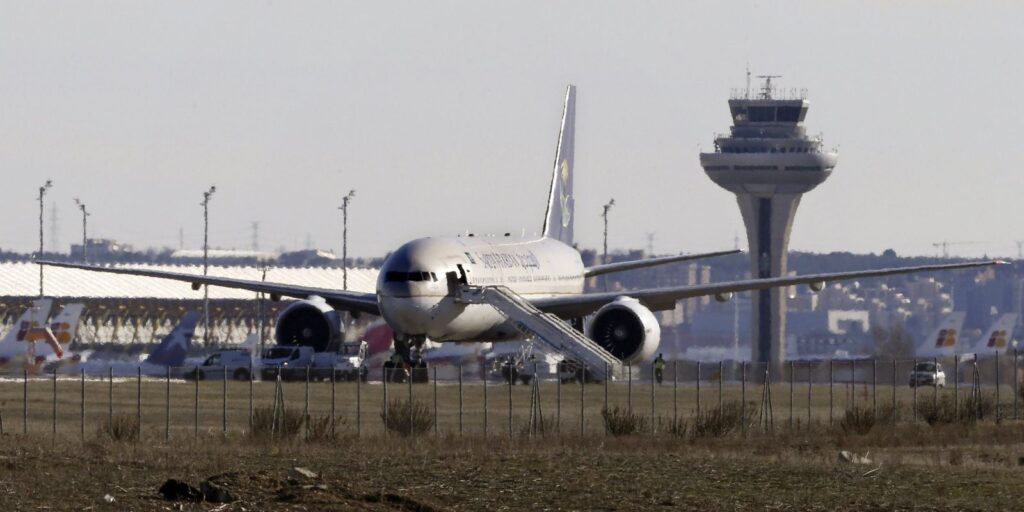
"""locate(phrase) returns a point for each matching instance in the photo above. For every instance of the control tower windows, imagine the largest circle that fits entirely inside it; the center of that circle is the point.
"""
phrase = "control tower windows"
(761, 114)
(788, 114)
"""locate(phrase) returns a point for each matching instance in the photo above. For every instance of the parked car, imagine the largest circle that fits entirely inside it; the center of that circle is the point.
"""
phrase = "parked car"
(928, 374)
(235, 364)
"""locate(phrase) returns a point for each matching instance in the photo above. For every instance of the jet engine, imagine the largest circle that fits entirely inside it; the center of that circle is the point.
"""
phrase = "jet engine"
(626, 329)
(310, 322)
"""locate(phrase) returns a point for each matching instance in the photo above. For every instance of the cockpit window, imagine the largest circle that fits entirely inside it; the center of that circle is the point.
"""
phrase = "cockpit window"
(398, 277)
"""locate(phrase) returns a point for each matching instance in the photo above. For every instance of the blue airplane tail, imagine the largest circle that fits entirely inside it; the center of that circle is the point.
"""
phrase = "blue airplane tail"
(174, 347)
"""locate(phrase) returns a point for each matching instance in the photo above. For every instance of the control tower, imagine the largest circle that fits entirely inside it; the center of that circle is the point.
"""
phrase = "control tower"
(769, 162)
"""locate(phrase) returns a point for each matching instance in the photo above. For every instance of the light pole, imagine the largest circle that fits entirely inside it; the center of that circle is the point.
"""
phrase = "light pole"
(42, 192)
(85, 214)
(344, 237)
(206, 260)
(604, 254)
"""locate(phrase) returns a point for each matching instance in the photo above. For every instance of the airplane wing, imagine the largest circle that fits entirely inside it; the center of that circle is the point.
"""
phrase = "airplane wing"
(657, 299)
(608, 268)
(359, 302)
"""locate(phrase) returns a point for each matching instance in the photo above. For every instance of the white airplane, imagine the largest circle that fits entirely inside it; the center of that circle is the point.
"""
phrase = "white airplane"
(942, 341)
(476, 288)
(998, 336)
(170, 353)
(14, 347)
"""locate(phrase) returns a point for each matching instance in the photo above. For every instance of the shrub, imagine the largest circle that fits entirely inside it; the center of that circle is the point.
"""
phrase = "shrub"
(860, 420)
(969, 409)
(285, 425)
(715, 422)
(407, 419)
(122, 427)
(622, 422)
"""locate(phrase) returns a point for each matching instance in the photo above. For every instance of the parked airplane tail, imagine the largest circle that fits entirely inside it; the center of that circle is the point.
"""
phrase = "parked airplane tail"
(942, 341)
(34, 316)
(998, 336)
(14, 343)
(558, 221)
(174, 347)
(63, 329)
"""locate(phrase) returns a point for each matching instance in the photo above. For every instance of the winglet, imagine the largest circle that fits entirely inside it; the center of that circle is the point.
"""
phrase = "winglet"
(558, 220)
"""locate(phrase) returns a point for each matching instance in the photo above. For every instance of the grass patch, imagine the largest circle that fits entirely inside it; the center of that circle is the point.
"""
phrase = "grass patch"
(717, 422)
(121, 428)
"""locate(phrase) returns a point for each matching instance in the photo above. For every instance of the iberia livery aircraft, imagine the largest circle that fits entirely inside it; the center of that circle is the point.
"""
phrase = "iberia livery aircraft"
(998, 337)
(14, 346)
(503, 288)
(943, 340)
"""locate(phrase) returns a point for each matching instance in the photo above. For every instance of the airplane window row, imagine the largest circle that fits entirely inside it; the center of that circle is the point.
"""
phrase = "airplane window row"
(398, 277)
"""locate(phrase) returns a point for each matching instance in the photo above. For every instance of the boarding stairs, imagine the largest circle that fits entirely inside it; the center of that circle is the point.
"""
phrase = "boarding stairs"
(544, 327)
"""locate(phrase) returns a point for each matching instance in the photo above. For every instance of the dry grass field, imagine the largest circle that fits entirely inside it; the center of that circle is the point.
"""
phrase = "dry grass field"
(687, 465)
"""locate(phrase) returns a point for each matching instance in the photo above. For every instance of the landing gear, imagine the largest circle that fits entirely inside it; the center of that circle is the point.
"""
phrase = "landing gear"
(410, 364)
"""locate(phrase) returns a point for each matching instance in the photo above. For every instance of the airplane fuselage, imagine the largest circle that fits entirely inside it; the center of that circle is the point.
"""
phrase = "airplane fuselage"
(415, 285)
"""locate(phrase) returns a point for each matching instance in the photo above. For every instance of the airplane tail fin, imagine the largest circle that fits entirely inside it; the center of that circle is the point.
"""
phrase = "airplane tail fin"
(942, 341)
(34, 316)
(999, 335)
(174, 347)
(558, 221)
(63, 329)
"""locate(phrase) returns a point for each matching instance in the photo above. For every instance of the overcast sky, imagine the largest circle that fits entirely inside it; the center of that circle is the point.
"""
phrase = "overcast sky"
(444, 117)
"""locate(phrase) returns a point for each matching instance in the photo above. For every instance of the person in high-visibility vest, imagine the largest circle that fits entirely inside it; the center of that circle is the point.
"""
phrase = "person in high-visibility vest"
(659, 368)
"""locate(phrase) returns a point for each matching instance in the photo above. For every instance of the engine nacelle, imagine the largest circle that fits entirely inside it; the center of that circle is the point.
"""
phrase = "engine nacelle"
(723, 297)
(626, 329)
(311, 323)
(816, 286)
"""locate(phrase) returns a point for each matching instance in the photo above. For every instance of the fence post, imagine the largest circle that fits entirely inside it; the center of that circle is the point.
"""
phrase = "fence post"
(460, 400)
(54, 432)
(874, 388)
(485, 406)
(652, 399)
(110, 400)
(810, 385)
(721, 378)
(558, 403)
(138, 398)
(998, 415)
(853, 386)
(384, 379)
(167, 403)
(607, 377)
(698, 388)
(913, 403)
(334, 396)
(831, 387)
(81, 411)
(359, 400)
(675, 392)
(436, 432)
(24, 402)
(224, 401)
(894, 392)
(956, 384)
(195, 424)
(935, 388)
(583, 387)
(511, 379)
(629, 387)
(410, 373)
(251, 412)
(791, 369)
(1016, 385)
(743, 396)
(305, 407)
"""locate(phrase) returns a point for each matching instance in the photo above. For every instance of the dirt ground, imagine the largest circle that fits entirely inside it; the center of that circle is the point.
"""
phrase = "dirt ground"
(913, 468)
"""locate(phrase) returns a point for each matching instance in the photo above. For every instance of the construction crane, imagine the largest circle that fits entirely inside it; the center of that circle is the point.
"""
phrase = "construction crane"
(944, 245)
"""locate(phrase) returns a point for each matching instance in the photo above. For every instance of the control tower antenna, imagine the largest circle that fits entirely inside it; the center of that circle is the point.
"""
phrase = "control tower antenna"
(747, 96)
(766, 91)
